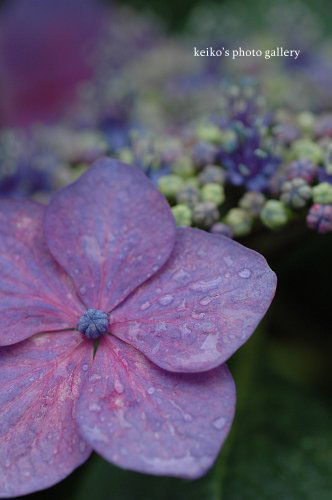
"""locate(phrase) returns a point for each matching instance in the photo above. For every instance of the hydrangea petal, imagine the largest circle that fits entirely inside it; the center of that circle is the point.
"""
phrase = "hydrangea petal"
(202, 306)
(111, 230)
(141, 417)
(35, 293)
(41, 379)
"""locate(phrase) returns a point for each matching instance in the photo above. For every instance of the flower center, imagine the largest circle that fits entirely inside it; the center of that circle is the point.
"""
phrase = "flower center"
(93, 323)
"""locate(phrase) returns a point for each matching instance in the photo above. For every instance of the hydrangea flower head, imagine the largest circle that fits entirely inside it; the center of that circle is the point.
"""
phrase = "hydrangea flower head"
(115, 329)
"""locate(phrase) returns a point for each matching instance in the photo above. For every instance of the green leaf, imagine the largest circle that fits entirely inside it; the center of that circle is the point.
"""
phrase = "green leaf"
(283, 446)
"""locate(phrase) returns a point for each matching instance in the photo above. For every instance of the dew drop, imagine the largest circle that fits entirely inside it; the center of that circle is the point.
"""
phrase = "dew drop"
(196, 315)
(151, 390)
(219, 423)
(205, 301)
(165, 300)
(83, 290)
(188, 417)
(180, 275)
(145, 306)
(206, 286)
(245, 273)
(94, 407)
(82, 446)
(85, 368)
(229, 260)
(118, 387)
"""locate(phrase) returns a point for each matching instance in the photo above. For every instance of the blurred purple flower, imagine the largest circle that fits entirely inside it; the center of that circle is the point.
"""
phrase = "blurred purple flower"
(303, 169)
(319, 218)
(45, 51)
(26, 180)
(250, 164)
(324, 176)
(168, 307)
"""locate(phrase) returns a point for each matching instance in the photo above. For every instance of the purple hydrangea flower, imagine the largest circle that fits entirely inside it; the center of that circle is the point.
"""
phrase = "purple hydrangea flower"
(324, 176)
(319, 218)
(103, 262)
(303, 169)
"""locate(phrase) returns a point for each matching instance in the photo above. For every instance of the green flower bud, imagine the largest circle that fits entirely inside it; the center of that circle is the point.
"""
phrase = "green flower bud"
(322, 193)
(126, 156)
(183, 167)
(327, 153)
(205, 214)
(229, 140)
(169, 185)
(212, 173)
(182, 215)
(193, 182)
(213, 192)
(240, 221)
(188, 195)
(304, 149)
(274, 214)
(295, 193)
(209, 133)
(252, 202)
(306, 121)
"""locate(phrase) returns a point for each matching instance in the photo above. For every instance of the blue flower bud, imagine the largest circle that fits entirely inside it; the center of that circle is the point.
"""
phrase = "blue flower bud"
(93, 323)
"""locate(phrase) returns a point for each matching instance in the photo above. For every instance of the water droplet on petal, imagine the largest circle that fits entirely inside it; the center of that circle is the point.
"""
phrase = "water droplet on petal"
(85, 368)
(145, 306)
(118, 387)
(165, 300)
(206, 286)
(94, 407)
(219, 423)
(205, 301)
(151, 390)
(196, 315)
(82, 446)
(180, 275)
(245, 273)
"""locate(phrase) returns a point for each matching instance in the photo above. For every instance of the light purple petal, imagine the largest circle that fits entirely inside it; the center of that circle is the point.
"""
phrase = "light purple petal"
(41, 379)
(110, 230)
(35, 293)
(201, 307)
(141, 417)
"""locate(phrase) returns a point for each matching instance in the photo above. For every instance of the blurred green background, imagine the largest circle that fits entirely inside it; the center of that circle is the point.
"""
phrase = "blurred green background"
(175, 13)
